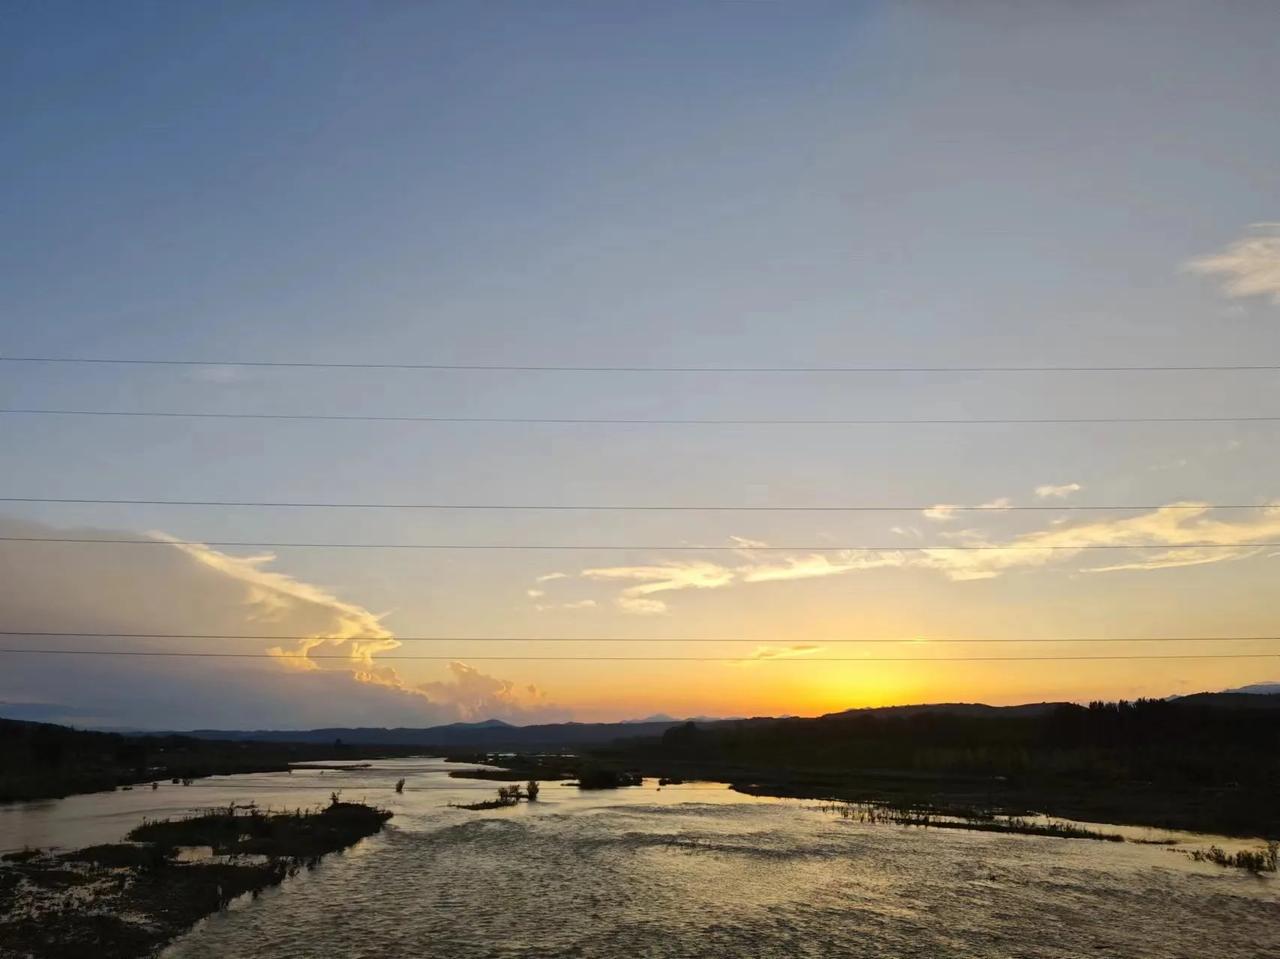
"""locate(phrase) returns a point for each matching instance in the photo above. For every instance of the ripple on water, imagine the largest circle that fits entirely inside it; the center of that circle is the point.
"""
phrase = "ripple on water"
(755, 880)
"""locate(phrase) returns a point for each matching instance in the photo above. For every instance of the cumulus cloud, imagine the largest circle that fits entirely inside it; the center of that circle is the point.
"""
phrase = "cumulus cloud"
(941, 512)
(1248, 267)
(187, 589)
(1050, 491)
(475, 695)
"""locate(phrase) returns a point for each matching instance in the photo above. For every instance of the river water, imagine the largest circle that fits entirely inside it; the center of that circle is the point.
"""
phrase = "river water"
(683, 871)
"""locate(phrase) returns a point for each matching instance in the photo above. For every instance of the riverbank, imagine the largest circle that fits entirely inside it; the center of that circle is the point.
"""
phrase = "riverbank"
(1196, 765)
(1226, 811)
(1220, 811)
(45, 761)
(126, 900)
(698, 870)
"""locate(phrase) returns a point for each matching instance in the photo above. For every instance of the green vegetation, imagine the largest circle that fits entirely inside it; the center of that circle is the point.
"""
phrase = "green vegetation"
(126, 900)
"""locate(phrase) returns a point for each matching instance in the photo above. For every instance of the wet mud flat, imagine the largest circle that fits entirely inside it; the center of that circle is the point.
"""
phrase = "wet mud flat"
(124, 900)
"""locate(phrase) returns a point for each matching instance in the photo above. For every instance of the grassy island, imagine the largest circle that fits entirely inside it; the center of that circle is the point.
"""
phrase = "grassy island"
(126, 900)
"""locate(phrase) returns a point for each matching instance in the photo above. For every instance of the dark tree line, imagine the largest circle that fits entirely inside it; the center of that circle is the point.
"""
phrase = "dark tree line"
(43, 760)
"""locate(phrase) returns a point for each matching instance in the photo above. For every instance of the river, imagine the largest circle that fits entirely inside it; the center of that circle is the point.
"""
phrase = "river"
(694, 870)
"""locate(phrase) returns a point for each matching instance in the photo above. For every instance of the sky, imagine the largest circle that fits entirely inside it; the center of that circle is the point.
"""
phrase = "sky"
(702, 185)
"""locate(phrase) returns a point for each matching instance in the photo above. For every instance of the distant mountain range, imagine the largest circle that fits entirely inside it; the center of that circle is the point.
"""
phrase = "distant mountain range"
(490, 734)
(1236, 699)
(495, 734)
(950, 709)
(1257, 689)
(664, 718)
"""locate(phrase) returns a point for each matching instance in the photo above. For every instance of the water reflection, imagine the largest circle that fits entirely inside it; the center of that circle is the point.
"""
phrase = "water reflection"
(105, 817)
(689, 870)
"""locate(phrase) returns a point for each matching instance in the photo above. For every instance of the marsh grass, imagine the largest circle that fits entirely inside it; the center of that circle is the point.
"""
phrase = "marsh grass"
(1254, 860)
(296, 834)
(71, 904)
(144, 878)
(972, 820)
(594, 777)
(507, 796)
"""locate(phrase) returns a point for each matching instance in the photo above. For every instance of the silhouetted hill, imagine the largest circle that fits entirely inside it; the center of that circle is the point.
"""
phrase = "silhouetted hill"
(1210, 761)
(491, 734)
(1232, 700)
(496, 734)
(1264, 689)
(42, 760)
(950, 709)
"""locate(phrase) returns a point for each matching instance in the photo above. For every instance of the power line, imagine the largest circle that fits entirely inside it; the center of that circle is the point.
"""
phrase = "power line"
(643, 421)
(627, 639)
(526, 368)
(586, 547)
(629, 507)
(651, 659)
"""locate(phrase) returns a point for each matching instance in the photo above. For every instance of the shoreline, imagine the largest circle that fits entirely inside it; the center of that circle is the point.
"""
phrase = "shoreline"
(127, 900)
(1143, 805)
(44, 761)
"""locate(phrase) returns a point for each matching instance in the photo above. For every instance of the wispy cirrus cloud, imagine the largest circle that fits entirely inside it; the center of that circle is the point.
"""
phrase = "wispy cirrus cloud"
(661, 578)
(1061, 491)
(816, 565)
(1192, 535)
(570, 605)
(1248, 267)
(781, 652)
(1181, 526)
(1172, 559)
(940, 512)
(945, 512)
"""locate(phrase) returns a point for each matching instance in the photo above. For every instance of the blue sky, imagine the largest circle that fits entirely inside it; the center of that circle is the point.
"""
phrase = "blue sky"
(656, 184)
